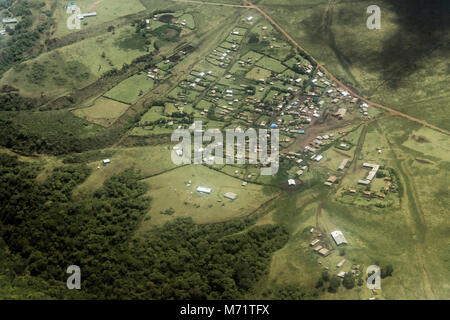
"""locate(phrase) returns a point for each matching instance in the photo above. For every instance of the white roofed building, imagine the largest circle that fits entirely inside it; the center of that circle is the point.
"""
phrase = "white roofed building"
(338, 237)
(204, 190)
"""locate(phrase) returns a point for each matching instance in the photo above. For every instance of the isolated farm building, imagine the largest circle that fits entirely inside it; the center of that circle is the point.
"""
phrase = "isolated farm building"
(338, 237)
(204, 190)
(332, 179)
(291, 182)
(343, 164)
(341, 274)
(387, 187)
(324, 251)
(231, 195)
(106, 161)
(341, 263)
(11, 20)
(81, 16)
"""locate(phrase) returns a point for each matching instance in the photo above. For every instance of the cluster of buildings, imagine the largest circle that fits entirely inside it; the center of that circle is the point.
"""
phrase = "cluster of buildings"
(154, 74)
(205, 190)
(364, 108)
(322, 250)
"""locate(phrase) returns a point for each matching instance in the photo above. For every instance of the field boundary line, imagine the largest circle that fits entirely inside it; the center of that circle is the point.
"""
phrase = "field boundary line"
(213, 3)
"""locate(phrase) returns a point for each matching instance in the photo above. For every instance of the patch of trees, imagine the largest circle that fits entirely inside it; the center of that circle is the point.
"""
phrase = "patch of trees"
(386, 271)
(289, 292)
(18, 138)
(5, 4)
(15, 102)
(254, 38)
(50, 230)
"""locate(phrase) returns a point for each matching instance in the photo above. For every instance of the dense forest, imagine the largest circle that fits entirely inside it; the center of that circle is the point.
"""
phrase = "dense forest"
(59, 141)
(44, 229)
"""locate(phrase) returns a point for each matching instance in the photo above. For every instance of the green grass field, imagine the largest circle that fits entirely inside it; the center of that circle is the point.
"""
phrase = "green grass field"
(131, 89)
(104, 111)
(170, 190)
(271, 64)
(258, 73)
(75, 66)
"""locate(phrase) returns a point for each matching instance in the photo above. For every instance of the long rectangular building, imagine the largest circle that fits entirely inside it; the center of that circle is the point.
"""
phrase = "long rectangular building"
(343, 164)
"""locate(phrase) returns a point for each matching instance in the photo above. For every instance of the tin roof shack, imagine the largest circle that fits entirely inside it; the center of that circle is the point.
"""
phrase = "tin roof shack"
(324, 252)
(230, 195)
(204, 190)
(338, 237)
(340, 114)
(343, 164)
(341, 274)
(330, 181)
(340, 264)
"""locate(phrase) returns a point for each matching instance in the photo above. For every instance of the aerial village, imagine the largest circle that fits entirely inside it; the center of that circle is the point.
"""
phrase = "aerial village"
(254, 79)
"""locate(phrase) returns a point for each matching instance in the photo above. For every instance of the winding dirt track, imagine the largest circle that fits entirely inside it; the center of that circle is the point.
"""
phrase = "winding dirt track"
(248, 4)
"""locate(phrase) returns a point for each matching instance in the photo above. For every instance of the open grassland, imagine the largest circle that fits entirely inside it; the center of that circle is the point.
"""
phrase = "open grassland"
(104, 111)
(131, 89)
(403, 65)
(258, 73)
(106, 10)
(150, 160)
(65, 69)
(271, 64)
(170, 190)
